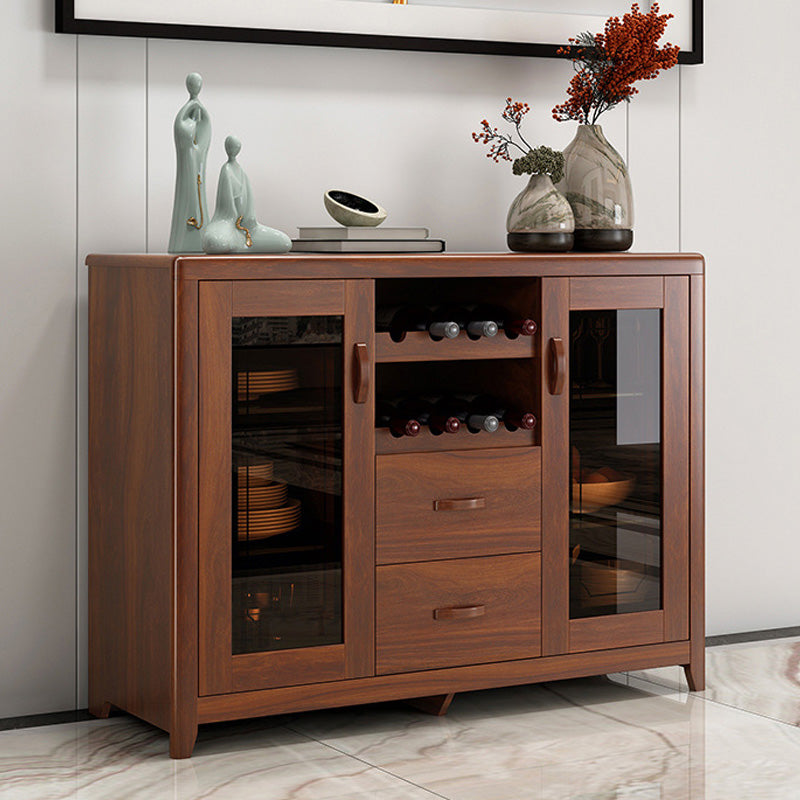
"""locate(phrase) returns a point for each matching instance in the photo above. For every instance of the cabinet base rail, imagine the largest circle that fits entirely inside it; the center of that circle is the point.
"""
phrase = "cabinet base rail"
(401, 686)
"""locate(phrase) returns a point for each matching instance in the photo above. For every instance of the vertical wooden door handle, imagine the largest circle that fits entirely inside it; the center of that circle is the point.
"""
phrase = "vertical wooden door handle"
(360, 373)
(558, 365)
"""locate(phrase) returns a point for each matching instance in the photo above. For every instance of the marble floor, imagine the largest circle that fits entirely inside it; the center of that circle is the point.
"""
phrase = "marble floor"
(636, 736)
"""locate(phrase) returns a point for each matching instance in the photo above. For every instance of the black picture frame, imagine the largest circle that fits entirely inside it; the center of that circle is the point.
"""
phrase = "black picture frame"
(66, 22)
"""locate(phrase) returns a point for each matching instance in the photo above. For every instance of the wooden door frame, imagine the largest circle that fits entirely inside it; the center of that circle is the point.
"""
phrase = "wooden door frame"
(221, 672)
(670, 623)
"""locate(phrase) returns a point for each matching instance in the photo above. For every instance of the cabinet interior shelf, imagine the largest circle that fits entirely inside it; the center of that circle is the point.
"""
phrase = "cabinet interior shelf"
(418, 346)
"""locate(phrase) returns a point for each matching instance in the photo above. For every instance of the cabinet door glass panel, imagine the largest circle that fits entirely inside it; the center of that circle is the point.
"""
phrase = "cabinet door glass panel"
(287, 482)
(615, 443)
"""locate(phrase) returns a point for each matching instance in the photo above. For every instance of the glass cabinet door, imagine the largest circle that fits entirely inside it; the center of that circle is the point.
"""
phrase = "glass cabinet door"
(615, 521)
(615, 422)
(283, 405)
(286, 482)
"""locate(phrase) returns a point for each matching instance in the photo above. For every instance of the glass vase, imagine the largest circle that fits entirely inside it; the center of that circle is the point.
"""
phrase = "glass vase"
(598, 187)
(540, 218)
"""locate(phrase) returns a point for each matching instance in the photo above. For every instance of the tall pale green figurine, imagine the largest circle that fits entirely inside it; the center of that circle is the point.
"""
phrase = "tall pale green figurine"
(234, 228)
(192, 131)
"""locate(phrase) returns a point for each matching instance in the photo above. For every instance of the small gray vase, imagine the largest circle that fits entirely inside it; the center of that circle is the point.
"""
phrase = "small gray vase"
(597, 184)
(540, 219)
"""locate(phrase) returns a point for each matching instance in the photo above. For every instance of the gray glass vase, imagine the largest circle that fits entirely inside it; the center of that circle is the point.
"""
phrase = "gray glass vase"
(540, 218)
(598, 187)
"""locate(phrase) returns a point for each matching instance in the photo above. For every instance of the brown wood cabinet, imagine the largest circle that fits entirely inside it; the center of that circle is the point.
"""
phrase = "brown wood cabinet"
(258, 545)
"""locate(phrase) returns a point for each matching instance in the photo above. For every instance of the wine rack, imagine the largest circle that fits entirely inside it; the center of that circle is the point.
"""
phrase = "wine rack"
(418, 346)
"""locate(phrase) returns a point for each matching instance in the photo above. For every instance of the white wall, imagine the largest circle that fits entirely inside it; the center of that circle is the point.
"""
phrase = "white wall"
(740, 175)
(91, 166)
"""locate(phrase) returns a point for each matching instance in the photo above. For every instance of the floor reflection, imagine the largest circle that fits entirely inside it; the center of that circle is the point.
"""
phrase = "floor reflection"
(631, 737)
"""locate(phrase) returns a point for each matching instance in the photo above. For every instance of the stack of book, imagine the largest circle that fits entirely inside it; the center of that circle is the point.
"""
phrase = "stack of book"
(339, 239)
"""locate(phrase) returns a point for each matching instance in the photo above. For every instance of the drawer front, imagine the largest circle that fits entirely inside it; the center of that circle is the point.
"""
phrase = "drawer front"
(457, 504)
(462, 611)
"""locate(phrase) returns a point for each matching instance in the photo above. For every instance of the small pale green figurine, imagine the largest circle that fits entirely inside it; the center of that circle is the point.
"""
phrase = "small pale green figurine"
(234, 228)
(192, 130)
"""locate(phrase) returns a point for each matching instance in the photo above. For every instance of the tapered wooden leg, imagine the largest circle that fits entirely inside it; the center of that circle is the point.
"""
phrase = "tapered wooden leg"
(436, 705)
(100, 709)
(181, 742)
(696, 674)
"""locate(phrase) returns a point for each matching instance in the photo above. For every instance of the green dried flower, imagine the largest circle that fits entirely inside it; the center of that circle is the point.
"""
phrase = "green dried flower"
(541, 161)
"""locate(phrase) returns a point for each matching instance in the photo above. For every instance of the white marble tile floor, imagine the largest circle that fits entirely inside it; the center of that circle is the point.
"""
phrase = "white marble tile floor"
(623, 737)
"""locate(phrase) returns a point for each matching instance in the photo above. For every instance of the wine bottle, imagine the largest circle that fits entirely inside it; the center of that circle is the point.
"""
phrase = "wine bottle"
(443, 325)
(474, 327)
(399, 424)
(398, 321)
(475, 419)
(514, 325)
(433, 413)
(511, 416)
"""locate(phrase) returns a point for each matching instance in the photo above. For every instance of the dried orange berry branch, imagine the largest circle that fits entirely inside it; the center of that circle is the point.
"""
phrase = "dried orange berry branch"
(607, 64)
(500, 142)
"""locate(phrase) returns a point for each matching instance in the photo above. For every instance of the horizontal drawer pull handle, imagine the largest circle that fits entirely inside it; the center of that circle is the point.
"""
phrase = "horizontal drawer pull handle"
(464, 504)
(459, 612)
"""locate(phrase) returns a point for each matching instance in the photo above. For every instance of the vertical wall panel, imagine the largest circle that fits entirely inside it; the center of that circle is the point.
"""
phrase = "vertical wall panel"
(653, 158)
(37, 363)
(740, 203)
(112, 217)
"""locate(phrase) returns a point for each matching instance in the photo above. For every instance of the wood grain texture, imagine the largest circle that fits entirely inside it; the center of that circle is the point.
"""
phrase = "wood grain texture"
(619, 630)
(695, 669)
(418, 346)
(287, 667)
(408, 485)
(599, 293)
(457, 265)
(214, 483)
(460, 265)
(409, 637)
(131, 492)
(185, 659)
(675, 444)
(440, 681)
(359, 487)
(554, 431)
(286, 298)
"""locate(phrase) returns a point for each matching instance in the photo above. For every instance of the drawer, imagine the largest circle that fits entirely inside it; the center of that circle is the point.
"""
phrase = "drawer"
(462, 611)
(457, 504)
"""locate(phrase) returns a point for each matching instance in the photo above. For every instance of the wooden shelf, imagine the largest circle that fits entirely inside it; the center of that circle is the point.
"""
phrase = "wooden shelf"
(463, 440)
(418, 346)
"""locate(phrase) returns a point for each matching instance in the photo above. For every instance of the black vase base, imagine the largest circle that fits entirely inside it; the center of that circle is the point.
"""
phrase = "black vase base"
(603, 239)
(540, 242)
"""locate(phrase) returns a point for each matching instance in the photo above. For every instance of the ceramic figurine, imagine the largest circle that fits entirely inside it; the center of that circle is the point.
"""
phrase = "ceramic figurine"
(234, 228)
(351, 210)
(192, 132)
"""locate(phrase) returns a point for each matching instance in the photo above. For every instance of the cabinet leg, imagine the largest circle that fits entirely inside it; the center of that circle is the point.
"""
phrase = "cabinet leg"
(101, 710)
(436, 705)
(696, 674)
(181, 742)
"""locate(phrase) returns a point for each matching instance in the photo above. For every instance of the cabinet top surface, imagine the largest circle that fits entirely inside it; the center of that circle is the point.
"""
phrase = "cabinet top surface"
(405, 265)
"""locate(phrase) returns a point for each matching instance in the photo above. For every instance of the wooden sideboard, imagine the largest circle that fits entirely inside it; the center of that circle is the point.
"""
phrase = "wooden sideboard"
(258, 546)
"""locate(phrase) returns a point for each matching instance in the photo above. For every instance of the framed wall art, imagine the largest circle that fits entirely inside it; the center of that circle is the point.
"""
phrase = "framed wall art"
(500, 27)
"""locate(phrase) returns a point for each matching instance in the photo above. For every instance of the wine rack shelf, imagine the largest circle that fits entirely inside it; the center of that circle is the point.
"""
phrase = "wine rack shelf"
(426, 441)
(418, 346)
(420, 565)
